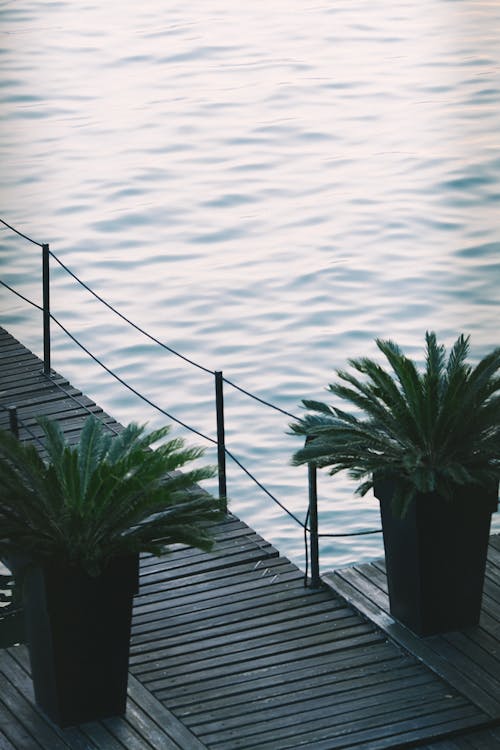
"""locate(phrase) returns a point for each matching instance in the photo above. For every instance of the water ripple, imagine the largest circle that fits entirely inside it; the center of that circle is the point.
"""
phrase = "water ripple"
(266, 192)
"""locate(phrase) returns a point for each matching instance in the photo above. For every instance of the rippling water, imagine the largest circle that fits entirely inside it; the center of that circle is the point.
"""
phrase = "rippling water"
(264, 186)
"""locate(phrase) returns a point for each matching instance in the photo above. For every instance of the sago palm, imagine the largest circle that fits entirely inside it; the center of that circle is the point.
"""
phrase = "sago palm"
(106, 496)
(426, 431)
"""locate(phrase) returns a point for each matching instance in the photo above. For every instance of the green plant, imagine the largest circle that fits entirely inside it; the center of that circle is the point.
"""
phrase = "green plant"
(107, 496)
(427, 431)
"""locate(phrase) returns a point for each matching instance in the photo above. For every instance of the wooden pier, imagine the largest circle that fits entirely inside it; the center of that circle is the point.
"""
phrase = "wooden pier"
(230, 650)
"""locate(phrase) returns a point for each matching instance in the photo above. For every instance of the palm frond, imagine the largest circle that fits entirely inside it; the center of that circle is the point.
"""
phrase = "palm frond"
(93, 446)
(107, 495)
(458, 355)
(408, 378)
(427, 432)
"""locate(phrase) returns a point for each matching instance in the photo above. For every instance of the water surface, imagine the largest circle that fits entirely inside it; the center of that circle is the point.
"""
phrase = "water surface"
(264, 186)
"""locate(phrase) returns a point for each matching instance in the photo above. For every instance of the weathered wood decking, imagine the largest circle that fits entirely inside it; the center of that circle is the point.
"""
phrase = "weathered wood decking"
(469, 660)
(229, 650)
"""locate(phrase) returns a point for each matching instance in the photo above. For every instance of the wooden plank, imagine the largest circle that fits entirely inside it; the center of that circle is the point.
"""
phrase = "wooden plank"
(231, 577)
(269, 590)
(148, 725)
(31, 384)
(269, 651)
(358, 729)
(207, 598)
(229, 666)
(308, 679)
(244, 619)
(477, 648)
(167, 726)
(224, 608)
(58, 410)
(22, 362)
(256, 677)
(370, 690)
(101, 737)
(253, 624)
(290, 722)
(389, 736)
(191, 584)
(37, 399)
(173, 576)
(76, 738)
(483, 739)
(243, 640)
(179, 566)
(22, 708)
(461, 662)
(14, 731)
(70, 426)
(5, 743)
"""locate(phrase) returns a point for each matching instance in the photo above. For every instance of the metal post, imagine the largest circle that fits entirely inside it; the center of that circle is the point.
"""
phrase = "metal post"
(313, 526)
(221, 448)
(13, 421)
(46, 309)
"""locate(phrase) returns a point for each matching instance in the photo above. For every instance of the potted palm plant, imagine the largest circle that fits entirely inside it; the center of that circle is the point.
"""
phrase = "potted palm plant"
(75, 525)
(428, 444)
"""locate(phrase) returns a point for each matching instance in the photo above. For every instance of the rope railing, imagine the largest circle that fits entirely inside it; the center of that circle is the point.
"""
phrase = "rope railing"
(15, 423)
(264, 489)
(127, 320)
(18, 294)
(138, 328)
(161, 343)
(73, 397)
(128, 386)
(16, 231)
(310, 526)
(259, 399)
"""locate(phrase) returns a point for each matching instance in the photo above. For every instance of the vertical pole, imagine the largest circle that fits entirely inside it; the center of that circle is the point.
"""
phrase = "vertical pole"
(46, 309)
(221, 448)
(313, 525)
(13, 422)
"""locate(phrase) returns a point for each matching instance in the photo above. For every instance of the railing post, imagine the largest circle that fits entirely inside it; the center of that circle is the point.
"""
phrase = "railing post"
(221, 447)
(13, 421)
(46, 309)
(313, 525)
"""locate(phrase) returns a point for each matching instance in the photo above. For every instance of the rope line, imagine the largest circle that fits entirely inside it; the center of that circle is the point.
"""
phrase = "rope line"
(73, 397)
(264, 489)
(142, 330)
(22, 423)
(18, 294)
(127, 320)
(20, 233)
(306, 546)
(162, 344)
(129, 387)
(353, 533)
(32, 434)
(257, 398)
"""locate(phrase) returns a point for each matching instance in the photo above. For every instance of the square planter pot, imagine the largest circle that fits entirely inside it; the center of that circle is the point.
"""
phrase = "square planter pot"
(78, 632)
(436, 556)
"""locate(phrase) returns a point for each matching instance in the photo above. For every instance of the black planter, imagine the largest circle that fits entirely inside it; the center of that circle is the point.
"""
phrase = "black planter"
(436, 557)
(78, 632)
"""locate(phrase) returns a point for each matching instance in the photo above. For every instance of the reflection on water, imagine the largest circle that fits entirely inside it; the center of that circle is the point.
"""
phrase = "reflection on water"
(266, 187)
